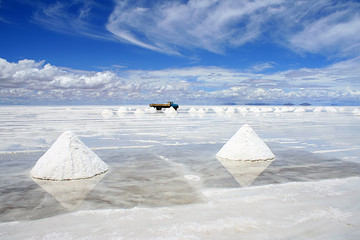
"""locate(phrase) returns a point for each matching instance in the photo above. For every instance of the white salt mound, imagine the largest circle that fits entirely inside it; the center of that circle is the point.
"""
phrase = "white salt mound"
(278, 110)
(267, 109)
(299, 110)
(242, 109)
(245, 144)
(192, 110)
(330, 109)
(68, 159)
(139, 112)
(150, 110)
(170, 112)
(219, 110)
(356, 111)
(230, 111)
(318, 109)
(254, 109)
(122, 110)
(106, 113)
(201, 111)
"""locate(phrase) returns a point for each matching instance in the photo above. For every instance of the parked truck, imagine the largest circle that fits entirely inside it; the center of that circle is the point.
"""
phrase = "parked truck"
(160, 106)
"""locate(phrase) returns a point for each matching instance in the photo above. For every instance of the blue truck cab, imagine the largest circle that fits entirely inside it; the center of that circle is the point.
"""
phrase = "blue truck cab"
(166, 105)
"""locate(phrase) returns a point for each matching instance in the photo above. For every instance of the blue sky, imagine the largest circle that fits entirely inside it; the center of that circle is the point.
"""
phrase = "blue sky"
(192, 52)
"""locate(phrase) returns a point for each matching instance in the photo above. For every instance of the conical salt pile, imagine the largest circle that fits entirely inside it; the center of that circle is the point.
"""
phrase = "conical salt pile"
(245, 145)
(170, 112)
(68, 159)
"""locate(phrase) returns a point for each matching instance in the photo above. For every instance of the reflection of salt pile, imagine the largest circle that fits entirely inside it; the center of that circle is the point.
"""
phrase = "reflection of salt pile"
(245, 155)
(68, 159)
(245, 145)
(245, 172)
(70, 194)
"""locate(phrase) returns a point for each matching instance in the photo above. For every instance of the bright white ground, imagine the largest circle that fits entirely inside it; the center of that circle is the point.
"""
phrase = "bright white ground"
(165, 182)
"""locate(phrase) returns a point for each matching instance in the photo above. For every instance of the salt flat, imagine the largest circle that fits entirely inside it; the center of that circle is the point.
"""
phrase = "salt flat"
(164, 180)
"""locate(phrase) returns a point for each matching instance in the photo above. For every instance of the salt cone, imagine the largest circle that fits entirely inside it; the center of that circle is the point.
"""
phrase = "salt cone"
(246, 145)
(68, 159)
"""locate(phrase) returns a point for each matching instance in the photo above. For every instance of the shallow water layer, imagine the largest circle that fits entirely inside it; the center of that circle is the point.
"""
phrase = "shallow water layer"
(325, 209)
(159, 160)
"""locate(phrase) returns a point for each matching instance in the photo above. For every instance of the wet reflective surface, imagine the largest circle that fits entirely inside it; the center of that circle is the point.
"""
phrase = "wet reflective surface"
(156, 160)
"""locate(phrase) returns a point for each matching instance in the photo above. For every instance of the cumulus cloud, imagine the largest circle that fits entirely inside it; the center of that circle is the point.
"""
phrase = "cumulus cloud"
(36, 75)
(28, 80)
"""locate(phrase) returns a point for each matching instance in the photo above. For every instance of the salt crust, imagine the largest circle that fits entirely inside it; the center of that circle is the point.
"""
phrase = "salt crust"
(245, 144)
(68, 159)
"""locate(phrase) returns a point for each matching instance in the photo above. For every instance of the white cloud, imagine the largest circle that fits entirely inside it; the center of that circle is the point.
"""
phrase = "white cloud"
(72, 17)
(209, 25)
(28, 80)
(325, 26)
(35, 75)
(174, 27)
(331, 34)
(259, 67)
